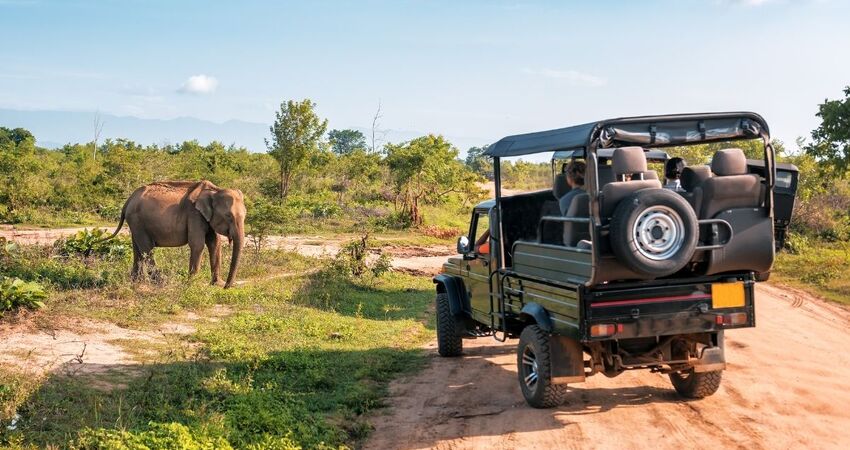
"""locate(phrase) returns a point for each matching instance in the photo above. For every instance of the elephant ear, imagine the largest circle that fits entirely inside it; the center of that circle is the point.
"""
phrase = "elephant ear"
(202, 197)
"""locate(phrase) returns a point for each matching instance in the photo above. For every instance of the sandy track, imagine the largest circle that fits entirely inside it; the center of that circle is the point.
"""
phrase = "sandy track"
(412, 259)
(787, 386)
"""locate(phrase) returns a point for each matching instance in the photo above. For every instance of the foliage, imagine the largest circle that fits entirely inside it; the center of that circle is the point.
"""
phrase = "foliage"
(265, 217)
(94, 242)
(478, 163)
(16, 293)
(296, 134)
(157, 435)
(831, 139)
(297, 363)
(814, 264)
(353, 259)
(425, 170)
(344, 142)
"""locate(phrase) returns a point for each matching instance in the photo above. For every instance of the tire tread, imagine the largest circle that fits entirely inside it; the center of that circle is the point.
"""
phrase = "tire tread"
(449, 339)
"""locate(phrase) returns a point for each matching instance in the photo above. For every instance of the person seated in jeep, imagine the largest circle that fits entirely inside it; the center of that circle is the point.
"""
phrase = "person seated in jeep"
(482, 245)
(673, 173)
(575, 179)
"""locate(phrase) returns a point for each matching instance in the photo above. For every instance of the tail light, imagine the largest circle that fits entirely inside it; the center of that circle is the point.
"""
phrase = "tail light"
(732, 319)
(605, 329)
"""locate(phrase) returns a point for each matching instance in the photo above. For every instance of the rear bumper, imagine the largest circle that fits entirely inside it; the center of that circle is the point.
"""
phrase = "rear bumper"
(688, 308)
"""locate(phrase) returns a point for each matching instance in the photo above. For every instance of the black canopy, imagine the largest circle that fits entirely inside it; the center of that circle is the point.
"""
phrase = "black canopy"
(647, 131)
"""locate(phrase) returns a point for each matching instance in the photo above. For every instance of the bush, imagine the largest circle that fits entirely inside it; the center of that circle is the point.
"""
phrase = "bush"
(352, 260)
(16, 293)
(93, 243)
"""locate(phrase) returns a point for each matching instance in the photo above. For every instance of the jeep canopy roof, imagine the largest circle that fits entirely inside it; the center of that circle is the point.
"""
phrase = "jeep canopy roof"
(608, 153)
(646, 131)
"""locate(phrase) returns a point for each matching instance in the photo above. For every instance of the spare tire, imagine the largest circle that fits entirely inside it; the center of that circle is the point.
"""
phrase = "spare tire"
(654, 232)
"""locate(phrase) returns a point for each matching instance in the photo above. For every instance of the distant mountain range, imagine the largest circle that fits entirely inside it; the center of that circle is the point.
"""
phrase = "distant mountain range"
(53, 129)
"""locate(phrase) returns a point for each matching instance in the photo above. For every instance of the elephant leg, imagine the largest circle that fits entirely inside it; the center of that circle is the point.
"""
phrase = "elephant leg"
(138, 263)
(214, 248)
(143, 246)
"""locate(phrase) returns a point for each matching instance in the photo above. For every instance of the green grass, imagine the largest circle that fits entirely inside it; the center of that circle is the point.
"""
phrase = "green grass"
(817, 266)
(302, 358)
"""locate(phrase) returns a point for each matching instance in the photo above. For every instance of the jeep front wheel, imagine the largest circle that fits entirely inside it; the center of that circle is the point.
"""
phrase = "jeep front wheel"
(449, 329)
(534, 368)
(690, 384)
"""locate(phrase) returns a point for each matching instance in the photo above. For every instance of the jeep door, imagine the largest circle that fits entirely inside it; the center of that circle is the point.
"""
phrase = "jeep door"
(477, 264)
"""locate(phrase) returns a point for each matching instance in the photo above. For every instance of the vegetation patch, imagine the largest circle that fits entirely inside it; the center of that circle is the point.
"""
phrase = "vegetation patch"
(298, 362)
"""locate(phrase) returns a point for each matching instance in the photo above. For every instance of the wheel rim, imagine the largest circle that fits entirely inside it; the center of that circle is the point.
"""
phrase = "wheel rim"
(659, 232)
(530, 372)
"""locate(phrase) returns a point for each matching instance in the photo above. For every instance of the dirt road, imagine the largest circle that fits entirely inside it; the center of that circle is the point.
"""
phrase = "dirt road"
(412, 259)
(787, 386)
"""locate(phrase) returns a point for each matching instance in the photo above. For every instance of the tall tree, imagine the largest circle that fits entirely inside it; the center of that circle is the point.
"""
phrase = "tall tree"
(296, 134)
(477, 162)
(344, 142)
(831, 140)
(426, 169)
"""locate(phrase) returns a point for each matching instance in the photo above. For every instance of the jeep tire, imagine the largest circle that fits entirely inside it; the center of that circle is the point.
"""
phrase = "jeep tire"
(690, 384)
(654, 232)
(449, 329)
(534, 369)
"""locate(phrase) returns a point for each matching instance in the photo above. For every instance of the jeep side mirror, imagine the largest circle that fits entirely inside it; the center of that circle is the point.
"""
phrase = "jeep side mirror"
(463, 245)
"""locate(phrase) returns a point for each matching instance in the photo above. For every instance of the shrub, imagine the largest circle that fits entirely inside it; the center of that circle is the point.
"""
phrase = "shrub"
(353, 259)
(16, 293)
(441, 232)
(93, 243)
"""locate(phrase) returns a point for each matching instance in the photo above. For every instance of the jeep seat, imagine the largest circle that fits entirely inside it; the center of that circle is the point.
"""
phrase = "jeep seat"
(560, 186)
(692, 178)
(576, 232)
(626, 161)
(730, 187)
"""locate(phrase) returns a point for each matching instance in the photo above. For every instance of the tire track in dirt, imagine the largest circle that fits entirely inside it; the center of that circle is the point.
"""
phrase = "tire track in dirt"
(786, 386)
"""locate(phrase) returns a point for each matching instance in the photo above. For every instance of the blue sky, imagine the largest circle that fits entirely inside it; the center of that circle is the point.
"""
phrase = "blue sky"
(476, 70)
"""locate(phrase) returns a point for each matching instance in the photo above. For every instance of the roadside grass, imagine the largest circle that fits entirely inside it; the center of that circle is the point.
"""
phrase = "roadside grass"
(817, 266)
(299, 359)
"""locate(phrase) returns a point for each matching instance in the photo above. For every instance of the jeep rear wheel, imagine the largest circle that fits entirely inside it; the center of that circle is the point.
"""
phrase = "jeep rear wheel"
(534, 368)
(449, 329)
(690, 384)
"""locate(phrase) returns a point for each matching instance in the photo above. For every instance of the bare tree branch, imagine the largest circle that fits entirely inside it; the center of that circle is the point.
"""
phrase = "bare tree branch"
(98, 128)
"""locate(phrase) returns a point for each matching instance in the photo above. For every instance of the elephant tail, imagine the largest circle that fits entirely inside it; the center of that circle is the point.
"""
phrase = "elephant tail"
(120, 223)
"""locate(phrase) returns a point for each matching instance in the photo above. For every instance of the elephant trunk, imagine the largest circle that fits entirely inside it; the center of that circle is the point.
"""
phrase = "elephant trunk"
(237, 239)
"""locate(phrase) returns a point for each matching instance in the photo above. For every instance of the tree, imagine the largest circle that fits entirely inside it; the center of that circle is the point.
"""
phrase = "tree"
(296, 134)
(344, 142)
(425, 169)
(477, 162)
(831, 140)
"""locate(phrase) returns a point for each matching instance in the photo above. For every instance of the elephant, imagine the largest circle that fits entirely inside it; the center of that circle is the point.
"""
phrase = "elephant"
(176, 213)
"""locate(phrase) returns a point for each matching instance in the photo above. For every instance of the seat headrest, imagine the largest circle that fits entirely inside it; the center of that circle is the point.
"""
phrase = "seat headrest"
(560, 186)
(694, 176)
(628, 160)
(730, 161)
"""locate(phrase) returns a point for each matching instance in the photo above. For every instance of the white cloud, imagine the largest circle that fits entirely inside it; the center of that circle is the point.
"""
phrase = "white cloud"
(199, 84)
(573, 77)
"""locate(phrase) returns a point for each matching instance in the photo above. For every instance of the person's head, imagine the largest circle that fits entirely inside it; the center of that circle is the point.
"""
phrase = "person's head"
(575, 173)
(673, 168)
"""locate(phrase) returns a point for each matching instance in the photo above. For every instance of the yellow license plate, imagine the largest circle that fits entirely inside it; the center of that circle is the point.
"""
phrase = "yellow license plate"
(727, 295)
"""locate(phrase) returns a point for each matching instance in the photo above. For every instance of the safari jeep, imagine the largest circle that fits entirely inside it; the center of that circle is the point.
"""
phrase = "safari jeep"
(633, 276)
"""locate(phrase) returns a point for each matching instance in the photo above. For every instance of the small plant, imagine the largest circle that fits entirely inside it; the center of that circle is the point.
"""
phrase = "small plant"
(89, 243)
(265, 218)
(16, 293)
(353, 259)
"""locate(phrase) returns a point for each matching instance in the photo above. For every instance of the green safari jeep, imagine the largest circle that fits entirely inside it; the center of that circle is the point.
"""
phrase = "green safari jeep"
(632, 275)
